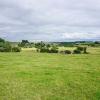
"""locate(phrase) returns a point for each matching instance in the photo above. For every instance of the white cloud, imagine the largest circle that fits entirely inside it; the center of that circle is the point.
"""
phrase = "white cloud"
(79, 36)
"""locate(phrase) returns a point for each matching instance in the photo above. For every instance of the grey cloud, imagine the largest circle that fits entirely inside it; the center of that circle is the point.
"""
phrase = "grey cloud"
(49, 19)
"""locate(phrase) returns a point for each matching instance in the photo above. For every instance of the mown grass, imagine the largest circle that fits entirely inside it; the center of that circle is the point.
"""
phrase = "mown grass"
(42, 76)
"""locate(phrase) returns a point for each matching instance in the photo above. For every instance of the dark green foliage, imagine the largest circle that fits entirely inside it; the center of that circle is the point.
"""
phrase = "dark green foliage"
(37, 50)
(48, 45)
(5, 46)
(67, 52)
(2, 49)
(94, 44)
(85, 50)
(2, 40)
(67, 44)
(97, 42)
(53, 50)
(62, 52)
(44, 50)
(80, 48)
(16, 49)
(39, 45)
(23, 43)
(76, 51)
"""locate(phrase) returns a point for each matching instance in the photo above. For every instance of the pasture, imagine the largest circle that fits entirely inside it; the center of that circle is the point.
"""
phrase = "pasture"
(41, 76)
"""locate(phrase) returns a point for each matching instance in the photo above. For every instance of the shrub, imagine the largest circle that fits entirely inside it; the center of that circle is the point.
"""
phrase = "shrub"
(2, 49)
(37, 50)
(5, 47)
(45, 50)
(76, 52)
(2, 40)
(67, 52)
(80, 48)
(53, 50)
(16, 49)
(62, 52)
(85, 50)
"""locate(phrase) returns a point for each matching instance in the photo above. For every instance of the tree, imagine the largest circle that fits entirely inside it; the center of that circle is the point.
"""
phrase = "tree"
(48, 45)
(76, 51)
(5, 47)
(40, 45)
(23, 43)
(80, 48)
(2, 40)
(16, 49)
(85, 50)
(97, 42)
(67, 52)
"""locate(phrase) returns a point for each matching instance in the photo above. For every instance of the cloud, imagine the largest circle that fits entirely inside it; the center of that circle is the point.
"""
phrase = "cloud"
(50, 20)
(80, 36)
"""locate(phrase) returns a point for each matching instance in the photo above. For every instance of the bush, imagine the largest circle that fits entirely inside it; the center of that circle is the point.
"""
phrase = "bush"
(80, 48)
(45, 50)
(2, 40)
(76, 52)
(5, 47)
(85, 50)
(62, 52)
(53, 50)
(67, 52)
(2, 49)
(16, 49)
(37, 50)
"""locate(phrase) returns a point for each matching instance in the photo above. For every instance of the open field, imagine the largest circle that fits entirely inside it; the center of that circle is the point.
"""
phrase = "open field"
(42, 76)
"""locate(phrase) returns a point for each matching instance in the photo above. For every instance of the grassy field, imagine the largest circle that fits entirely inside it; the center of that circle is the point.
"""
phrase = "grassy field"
(41, 76)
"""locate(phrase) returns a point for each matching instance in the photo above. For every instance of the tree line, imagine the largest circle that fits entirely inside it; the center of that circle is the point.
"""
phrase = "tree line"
(6, 46)
(41, 47)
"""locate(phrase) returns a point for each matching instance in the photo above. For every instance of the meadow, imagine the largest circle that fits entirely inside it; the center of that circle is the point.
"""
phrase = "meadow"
(28, 75)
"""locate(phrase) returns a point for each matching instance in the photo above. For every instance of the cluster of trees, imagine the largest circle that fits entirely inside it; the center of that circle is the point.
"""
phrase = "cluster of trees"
(42, 47)
(78, 50)
(6, 46)
(26, 44)
(74, 44)
(67, 44)
(65, 52)
(46, 47)
(89, 43)
(94, 44)
(53, 48)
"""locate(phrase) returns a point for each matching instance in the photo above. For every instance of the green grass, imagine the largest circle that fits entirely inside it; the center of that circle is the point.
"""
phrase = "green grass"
(41, 76)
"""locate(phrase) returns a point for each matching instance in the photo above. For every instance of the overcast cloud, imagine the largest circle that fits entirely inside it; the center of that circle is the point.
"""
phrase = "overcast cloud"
(50, 20)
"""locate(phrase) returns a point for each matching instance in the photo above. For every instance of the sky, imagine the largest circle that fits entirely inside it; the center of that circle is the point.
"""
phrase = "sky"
(50, 20)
